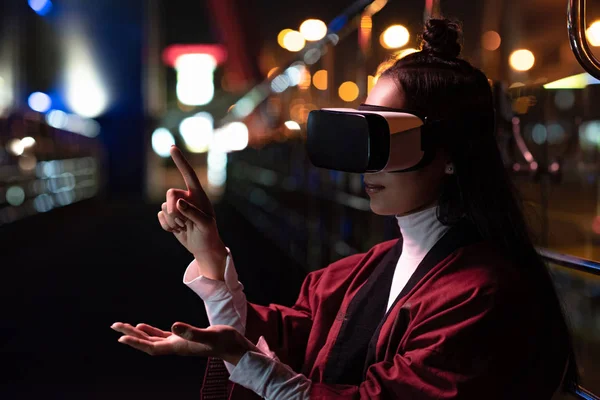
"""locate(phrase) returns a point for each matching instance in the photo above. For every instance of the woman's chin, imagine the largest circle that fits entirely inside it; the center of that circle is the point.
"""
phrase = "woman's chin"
(381, 209)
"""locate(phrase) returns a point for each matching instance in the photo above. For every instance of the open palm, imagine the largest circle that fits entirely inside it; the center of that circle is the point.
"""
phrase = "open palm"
(219, 341)
(157, 342)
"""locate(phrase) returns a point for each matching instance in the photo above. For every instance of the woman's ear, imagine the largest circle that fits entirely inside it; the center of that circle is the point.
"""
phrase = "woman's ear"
(449, 168)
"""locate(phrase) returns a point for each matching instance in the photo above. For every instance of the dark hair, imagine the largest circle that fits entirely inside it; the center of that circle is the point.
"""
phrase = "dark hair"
(439, 85)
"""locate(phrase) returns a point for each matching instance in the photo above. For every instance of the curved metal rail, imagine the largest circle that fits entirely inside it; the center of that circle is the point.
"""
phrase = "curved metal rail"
(576, 11)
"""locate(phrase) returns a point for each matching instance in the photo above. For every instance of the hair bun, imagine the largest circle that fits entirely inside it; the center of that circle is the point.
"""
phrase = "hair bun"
(441, 37)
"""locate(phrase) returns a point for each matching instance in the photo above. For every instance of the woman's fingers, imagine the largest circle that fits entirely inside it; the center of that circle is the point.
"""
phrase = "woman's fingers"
(163, 222)
(170, 219)
(172, 196)
(152, 331)
(194, 334)
(147, 346)
(194, 214)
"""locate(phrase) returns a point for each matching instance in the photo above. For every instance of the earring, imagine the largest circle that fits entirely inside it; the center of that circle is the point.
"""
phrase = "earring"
(449, 169)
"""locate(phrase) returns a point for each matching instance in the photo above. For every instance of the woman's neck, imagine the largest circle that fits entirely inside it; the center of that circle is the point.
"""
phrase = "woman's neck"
(420, 231)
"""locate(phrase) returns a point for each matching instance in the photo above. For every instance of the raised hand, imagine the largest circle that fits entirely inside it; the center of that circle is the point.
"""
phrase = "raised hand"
(191, 217)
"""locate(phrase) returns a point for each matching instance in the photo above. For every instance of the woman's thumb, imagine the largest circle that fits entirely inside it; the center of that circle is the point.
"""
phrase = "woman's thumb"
(193, 213)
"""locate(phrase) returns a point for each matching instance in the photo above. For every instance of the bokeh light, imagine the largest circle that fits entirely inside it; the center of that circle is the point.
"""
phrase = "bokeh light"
(593, 34)
(197, 132)
(313, 29)
(281, 35)
(27, 142)
(293, 41)
(39, 102)
(41, 7)
(564, 99)
(522, 60)
(491, 40)
(162, 140)
(15, 147)
(320, 79)
(292, 125)
(195, 78)
(231, 137)
(15, 195)
(394, 37)
(539, 134)
(348, 91)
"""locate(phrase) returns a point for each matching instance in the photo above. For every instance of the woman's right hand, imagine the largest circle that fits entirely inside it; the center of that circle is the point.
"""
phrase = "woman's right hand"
(191, 217)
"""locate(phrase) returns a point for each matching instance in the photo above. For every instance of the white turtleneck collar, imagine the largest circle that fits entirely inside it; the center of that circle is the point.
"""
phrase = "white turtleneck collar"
(420, 232)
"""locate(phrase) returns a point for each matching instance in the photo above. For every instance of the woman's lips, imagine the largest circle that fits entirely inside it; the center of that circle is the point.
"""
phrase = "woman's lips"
(371, 189)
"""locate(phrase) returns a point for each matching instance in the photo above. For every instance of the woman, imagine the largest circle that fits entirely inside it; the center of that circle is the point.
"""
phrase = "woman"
(461, 306)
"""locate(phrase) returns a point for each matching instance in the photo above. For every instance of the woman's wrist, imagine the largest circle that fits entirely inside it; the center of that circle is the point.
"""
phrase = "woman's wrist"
(212, 263)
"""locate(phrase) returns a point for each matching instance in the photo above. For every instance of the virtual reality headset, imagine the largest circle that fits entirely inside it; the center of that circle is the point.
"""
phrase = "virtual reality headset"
(370, 139)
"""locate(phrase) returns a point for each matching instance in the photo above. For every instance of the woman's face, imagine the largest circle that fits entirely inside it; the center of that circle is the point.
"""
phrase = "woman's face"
(405, 192)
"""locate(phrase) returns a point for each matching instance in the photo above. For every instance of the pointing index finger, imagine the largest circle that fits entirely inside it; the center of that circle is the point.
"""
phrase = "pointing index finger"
(189, 176)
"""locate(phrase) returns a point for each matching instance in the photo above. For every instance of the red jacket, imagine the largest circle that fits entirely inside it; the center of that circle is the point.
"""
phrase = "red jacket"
(472, 328)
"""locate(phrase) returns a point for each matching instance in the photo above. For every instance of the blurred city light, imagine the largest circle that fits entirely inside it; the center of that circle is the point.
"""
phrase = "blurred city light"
(15, 147)
(280, 83)
(162, 140)
(15, 195)
(281, 35)
(394, 37)
(86, 96)
(292, 125)
(237, 133)
(57, 119)
(539, 133)
(294, 74)
(522, 60)
(27, 142)
(305, 79)
(27, 162)
(39, 102)
(86, 93)
(578, 81)
(491, 40)
(348, 91)
(312, 56)
(589, 133)
(197, 132)
(564, 99)
(195, 78)
(272, 71)
(73, 123)
(217, 168)
(41, 7)
(293, 41)
(593, 34)
(320, 79)
(230, 137)
(313, 29)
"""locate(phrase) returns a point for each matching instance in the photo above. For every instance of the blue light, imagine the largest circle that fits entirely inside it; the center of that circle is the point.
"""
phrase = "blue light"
(39, 102)
(41, 7)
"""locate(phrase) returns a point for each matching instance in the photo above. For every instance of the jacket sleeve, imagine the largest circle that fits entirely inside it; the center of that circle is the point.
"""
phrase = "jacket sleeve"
(452, 351)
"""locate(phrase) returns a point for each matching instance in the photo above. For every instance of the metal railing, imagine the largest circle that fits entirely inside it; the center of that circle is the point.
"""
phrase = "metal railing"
(576, 264)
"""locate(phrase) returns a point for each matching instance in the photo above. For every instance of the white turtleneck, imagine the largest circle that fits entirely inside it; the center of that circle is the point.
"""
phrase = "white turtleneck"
(420, 231)
(225, 304)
